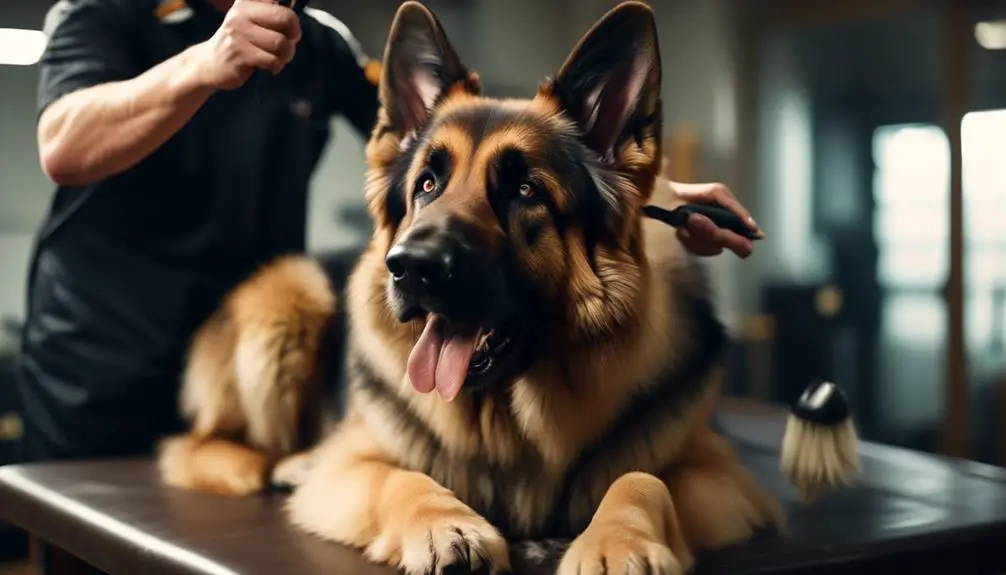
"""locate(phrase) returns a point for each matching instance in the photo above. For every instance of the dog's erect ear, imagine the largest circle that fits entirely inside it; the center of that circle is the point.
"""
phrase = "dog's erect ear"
(610, 84)
(419, 66)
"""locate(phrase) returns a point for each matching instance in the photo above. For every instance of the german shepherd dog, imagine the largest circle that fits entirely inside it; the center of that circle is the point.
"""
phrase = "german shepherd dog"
(527, 358)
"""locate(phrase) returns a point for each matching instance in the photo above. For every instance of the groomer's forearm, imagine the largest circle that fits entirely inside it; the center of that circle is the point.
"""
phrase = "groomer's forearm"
(97, 132)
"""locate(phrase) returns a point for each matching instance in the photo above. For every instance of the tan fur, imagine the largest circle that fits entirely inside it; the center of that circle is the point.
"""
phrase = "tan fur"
(214, 465)
(635, 529)
(402, 475)
(251, 378)
(280, 324)
(398, 516)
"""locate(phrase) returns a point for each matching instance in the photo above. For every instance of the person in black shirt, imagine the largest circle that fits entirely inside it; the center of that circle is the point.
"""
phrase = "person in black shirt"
(182, 135)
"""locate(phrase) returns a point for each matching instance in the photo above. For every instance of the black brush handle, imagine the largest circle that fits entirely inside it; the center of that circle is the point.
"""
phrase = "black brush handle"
(717, 214)
(298, 5)
(722, 217)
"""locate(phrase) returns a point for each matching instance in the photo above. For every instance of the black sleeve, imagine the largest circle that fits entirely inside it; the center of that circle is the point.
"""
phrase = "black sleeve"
(88, 43)
(353, 76)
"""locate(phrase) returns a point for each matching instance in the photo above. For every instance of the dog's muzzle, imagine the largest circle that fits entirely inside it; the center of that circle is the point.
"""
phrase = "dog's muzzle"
(444, 269)
(422, 265)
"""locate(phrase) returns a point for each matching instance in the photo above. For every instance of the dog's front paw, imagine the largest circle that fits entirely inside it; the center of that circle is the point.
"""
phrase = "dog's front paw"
(290, 472)
(442, 536)
(616, 549)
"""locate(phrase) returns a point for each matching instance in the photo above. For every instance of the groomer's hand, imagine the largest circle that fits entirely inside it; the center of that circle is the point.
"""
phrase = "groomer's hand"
(701, 236)
(255, 34)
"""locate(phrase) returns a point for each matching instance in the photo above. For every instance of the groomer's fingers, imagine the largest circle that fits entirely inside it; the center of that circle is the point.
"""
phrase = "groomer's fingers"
(259, 58)
(699, 247)
(269, 40)
(272, 16)
(710, 193)
(287, 52)
(705, 238)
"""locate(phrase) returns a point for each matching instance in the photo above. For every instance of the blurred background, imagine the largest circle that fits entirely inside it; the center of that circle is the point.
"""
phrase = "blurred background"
(868, 137)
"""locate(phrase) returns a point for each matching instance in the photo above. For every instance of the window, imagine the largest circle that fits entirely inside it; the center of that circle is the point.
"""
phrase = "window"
(911, 190)
(983, 139)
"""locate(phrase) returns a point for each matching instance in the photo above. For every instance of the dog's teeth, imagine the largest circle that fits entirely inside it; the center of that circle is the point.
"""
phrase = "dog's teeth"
(483, 341)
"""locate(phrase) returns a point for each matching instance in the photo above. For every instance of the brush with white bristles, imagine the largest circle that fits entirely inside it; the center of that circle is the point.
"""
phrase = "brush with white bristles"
(820, 449)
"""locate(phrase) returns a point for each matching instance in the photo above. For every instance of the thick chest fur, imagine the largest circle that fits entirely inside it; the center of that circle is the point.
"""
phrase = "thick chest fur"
(523, 495)
(517, 494)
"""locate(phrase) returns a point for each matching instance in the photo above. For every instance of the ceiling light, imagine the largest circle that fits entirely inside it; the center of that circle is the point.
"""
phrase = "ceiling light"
(991, 35)
(20, 47)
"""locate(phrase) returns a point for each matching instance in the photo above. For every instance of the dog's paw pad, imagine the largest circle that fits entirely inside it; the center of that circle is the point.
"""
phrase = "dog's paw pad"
(601, 551)
(454, 541)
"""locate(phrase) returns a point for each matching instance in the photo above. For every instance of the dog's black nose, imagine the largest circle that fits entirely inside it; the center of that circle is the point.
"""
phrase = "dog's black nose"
(423, 262)
(445, 267)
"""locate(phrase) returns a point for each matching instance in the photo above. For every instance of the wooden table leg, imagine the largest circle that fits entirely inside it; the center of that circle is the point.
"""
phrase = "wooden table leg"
(34, 551)
(51, 560)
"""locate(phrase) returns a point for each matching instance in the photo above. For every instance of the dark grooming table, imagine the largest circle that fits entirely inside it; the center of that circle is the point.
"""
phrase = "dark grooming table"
(911, 511)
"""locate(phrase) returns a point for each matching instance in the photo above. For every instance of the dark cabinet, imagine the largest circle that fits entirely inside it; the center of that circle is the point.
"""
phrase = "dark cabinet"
(806, 318)
(10, 420)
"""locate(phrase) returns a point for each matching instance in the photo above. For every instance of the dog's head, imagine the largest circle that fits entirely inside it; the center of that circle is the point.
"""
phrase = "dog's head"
(510, 228)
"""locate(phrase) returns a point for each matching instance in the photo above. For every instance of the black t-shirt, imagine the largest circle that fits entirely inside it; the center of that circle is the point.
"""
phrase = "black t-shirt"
(125, 270)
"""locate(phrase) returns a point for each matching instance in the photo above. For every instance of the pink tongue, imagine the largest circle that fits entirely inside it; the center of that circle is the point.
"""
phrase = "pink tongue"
(422, 368)
(453, 366)
(439, 363)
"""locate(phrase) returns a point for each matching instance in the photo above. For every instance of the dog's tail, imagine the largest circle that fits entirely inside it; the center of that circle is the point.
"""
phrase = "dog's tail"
(250, 378)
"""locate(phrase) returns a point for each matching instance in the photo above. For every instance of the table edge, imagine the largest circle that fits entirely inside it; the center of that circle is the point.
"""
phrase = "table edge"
(101, 529)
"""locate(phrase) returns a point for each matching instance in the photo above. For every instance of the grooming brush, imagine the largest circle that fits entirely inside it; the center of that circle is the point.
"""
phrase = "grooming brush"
(716, 213)
(820, 449)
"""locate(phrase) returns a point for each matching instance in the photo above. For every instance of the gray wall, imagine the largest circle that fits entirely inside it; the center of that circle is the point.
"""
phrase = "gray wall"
(512, 43)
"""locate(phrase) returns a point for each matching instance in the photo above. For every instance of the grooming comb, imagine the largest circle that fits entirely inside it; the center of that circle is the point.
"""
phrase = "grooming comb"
(716, 213)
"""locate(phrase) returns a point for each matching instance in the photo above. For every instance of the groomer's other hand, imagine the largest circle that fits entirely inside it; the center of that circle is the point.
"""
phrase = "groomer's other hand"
(255, 34)
(701, 236)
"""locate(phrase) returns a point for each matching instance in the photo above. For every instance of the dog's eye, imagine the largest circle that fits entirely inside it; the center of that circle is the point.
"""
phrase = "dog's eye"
(427, 184)
(527, 191)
